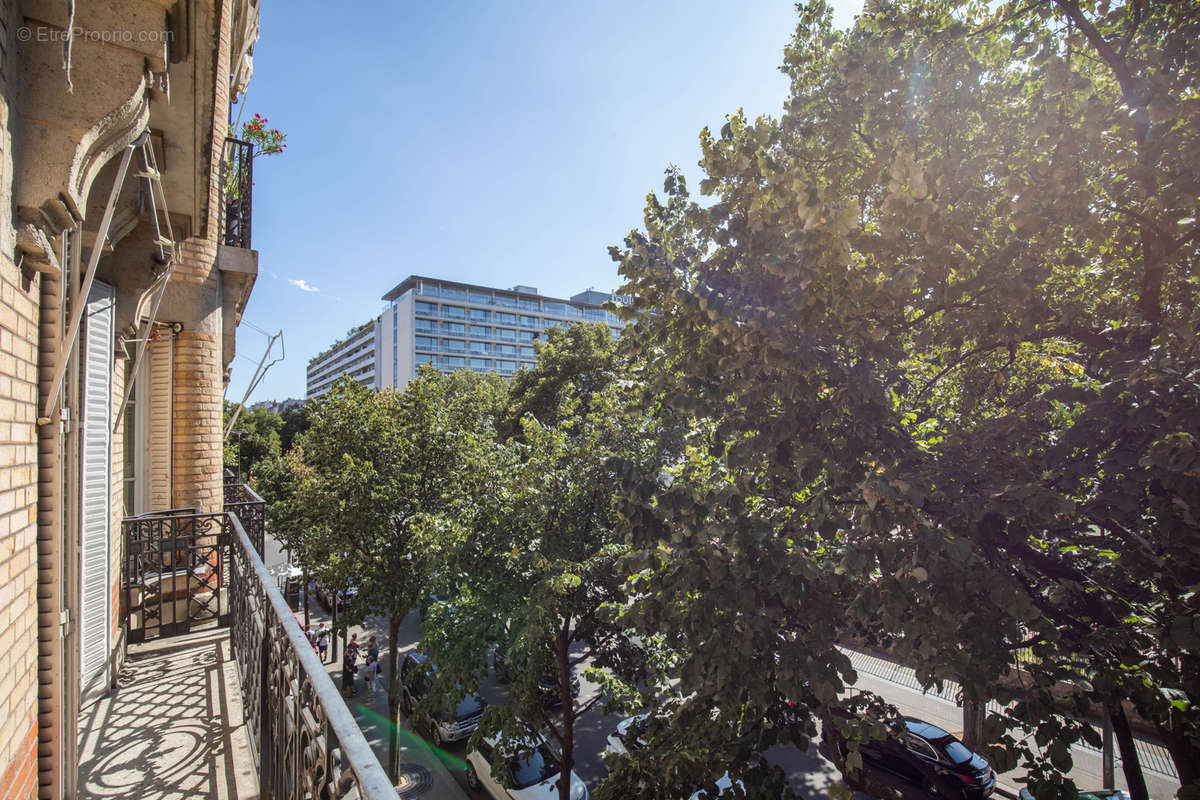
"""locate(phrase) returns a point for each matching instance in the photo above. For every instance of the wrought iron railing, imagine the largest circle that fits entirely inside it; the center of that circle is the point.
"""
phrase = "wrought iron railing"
(176, 576)
(238, 168)
(303, 736)
(240, 499)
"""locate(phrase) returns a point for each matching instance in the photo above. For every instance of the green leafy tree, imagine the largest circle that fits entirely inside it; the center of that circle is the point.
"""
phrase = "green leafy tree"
(255, 438)
(541, 576)
(938, 326)
(295, 422)
(372, 493)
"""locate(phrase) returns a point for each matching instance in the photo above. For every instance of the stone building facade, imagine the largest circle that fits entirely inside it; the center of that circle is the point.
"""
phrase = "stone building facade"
(113, 126)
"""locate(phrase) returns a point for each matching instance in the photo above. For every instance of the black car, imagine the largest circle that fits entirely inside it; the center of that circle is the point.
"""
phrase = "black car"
(443, 726)
(547, 685)
(929, 762)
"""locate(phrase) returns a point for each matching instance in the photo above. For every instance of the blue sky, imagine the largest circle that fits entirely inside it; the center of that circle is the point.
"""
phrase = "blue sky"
(496, 143)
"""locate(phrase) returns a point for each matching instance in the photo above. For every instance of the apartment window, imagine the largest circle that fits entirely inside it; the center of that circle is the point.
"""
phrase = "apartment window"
(507, 302)
(454, 312)
(480, 297)
(454, 345)
(454, 328)
(506, 334)
(529, 322)
(453, 362)
(480, 363)
(481, 331)
(479, 347)
(423, 359)
(506, 349)
(422, 307)
(506, 366)
(457, 294)
(426, 343)
(526, 352)
(424, 325)
(507, 319)
(555, 308)
(480, 314)
(526, 336)
(528, 305)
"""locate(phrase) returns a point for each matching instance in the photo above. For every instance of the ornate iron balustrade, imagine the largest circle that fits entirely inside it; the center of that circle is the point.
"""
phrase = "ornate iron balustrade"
(238, 168)
(176, 575)
(304, 739)
(240, 499)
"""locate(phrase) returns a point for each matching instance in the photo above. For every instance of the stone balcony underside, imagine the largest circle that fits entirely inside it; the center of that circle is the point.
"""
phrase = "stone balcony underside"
(173, 728)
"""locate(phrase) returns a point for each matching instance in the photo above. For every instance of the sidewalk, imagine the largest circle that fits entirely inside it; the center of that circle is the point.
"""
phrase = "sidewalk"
(423, 771)
(900, 687)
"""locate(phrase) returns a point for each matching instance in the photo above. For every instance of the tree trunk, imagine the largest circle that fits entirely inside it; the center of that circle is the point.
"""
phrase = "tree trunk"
(568, 717)
(307, 585)
(333, 633)
(1185, 753)
(393, 697)
(1130, 764)
(973, 714)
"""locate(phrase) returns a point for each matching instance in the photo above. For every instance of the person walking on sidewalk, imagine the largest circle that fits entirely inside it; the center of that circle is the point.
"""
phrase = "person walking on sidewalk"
(348, 669)
(372, 677)
(322, 641)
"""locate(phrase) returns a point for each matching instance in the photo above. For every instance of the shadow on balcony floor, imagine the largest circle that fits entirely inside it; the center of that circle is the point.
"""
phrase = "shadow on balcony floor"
(172, 729)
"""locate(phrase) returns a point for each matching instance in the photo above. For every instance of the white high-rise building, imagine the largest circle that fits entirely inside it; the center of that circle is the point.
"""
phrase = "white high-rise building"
(452, 325)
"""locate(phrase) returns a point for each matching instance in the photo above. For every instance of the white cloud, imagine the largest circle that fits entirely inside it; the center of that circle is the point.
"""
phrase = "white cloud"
(303, 285)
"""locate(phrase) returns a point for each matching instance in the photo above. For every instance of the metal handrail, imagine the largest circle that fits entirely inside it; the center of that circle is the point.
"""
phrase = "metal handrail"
(316, 700)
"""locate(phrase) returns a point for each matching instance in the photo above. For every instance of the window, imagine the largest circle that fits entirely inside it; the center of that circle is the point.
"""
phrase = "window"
(480, 363)
(422, 307)
(481, 332)
(424, 325)
(529, 322)
(480, 314)
(423, 359)
(453, 362)
(506, 334)
(457, 294)
(454, 312)
(555, 308)
(507, 302)
(528, 305)
(507, 319)
(482, 298)
(426, 343)
(506, 349)
(526, 336)
(526, 352)
(509, 366)
(454, 328)
(454, 345)
(479, 347)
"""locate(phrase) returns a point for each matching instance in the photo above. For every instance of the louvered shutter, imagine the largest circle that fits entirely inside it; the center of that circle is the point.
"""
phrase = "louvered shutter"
(158, 438)
(95, 468)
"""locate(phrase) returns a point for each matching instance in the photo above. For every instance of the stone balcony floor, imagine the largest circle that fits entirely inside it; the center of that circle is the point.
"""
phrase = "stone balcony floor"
(173, 727)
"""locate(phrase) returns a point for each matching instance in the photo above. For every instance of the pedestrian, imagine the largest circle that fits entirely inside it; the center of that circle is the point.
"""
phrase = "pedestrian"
(311, 636)
(322, 641)
(372, 649)
(348, 670)
(372, 677)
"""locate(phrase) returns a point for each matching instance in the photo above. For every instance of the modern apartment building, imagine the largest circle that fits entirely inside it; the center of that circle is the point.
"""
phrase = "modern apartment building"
(464, 326)
(353, 355)
(450, 325)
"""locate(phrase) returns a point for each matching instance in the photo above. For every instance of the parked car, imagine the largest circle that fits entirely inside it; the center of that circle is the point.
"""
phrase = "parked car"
(344, 596)
(925, 751)
(1092, 794)
(444, 726)
(533, 775)
(628, 735)
(547, 685)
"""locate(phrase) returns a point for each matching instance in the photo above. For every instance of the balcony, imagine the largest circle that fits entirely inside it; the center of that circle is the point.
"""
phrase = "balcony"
(221, 695)
(238, 167)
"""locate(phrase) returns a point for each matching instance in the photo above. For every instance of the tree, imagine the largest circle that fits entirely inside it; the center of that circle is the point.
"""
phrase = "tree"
(255, 439)
(540, 578)
(372, 493)
(295, 422)
(939, 322)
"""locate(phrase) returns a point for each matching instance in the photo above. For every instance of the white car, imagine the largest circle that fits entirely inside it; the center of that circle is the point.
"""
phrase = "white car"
(723, 783)
(622, 740)
(532, 776)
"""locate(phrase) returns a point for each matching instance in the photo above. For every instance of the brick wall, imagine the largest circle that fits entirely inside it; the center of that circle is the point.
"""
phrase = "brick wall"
(196, 460)
(18, 532)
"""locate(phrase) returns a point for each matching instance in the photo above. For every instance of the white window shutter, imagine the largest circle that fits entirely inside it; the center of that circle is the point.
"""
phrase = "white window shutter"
(95, 487)
(158, 441)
